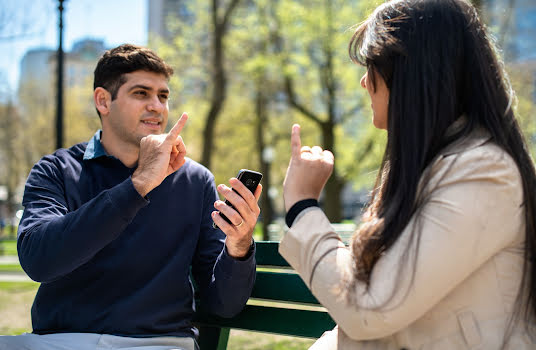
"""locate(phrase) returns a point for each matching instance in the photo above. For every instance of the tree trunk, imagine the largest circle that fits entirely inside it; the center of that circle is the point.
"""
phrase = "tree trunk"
(218, 95)
(218, 77)
(332, 203)
(267, 209)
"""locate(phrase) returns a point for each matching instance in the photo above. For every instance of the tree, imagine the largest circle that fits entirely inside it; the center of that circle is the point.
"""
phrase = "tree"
(257, 65)
(318, 79)
(220, 24)
(525, 105)
(262, 38)
(11, 144)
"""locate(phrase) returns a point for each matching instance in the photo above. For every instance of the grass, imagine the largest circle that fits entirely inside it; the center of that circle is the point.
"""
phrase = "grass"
(8, 247)
(10, 268)
(243, 340)
(16, 299)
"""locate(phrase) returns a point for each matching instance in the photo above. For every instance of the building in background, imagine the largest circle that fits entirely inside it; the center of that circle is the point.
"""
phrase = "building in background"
(81, 62)
(160, 11)
(38, 67)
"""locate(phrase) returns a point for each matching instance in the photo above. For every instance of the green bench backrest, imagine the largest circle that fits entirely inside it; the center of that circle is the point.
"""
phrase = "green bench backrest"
(281, 286)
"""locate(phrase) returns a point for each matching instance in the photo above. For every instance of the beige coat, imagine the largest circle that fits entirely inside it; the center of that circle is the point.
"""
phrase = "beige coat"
(467, 270)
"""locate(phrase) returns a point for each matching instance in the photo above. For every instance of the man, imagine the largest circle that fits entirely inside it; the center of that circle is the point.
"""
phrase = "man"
(112, 227)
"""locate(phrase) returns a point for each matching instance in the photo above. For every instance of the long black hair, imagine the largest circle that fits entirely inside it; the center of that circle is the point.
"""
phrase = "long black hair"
(438, 63)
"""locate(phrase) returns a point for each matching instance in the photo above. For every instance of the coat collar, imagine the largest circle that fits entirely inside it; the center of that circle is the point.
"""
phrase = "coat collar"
(474, 139)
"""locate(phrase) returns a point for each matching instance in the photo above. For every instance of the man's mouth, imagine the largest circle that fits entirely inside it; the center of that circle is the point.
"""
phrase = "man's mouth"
(151, 122)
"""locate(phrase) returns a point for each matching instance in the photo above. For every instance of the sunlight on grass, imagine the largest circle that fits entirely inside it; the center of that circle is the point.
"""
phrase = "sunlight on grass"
(11, 268)
(243, 340)
(8, 247)
(16, 300)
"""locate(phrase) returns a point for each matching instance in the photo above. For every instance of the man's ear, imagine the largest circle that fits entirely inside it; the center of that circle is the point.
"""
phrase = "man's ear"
(103, 100)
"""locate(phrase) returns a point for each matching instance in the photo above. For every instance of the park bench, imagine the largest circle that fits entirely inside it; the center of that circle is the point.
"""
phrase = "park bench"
(275, 282)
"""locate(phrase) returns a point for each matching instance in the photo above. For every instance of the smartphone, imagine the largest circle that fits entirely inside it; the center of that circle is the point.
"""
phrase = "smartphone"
(251, 180)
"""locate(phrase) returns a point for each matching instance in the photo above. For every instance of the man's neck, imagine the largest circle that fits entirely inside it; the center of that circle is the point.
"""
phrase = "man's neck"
(127, 153)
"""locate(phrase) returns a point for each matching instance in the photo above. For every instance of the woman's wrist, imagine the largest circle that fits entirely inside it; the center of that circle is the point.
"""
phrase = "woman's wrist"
(297, 208)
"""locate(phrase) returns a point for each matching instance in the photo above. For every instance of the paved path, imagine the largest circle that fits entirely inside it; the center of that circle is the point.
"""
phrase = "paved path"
(9, 259)
(12, 276)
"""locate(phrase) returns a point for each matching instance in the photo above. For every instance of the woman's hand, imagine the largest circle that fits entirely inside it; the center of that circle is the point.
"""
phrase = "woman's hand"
(308, 171)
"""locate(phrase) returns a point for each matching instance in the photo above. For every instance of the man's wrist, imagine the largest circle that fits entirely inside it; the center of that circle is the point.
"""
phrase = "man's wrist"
(243, 254)
(139, 185)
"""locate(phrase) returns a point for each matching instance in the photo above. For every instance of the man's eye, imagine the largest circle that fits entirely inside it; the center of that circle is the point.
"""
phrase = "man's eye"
(163, 97)
(140, 93)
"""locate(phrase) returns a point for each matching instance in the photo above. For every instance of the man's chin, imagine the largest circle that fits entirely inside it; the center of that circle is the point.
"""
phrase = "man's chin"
(149, 132)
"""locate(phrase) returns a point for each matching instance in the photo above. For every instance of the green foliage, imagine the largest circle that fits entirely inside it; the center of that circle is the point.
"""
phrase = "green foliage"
(266, 40)
(36, 121)
(522, 80)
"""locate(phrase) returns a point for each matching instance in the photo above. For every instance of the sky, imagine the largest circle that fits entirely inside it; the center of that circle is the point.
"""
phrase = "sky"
(113, 21)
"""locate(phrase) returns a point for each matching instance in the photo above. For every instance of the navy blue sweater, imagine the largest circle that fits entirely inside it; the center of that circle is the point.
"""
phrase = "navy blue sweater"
(112, 262)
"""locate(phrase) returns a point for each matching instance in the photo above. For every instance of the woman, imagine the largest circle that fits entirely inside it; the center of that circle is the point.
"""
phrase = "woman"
(444, 256)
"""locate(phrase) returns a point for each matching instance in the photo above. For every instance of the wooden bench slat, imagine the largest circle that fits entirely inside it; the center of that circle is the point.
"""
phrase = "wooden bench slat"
(282, 287)
(301, 323)
(267, 254)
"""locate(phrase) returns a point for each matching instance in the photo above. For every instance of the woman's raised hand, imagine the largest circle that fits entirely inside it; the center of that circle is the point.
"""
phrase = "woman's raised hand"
(308, 171)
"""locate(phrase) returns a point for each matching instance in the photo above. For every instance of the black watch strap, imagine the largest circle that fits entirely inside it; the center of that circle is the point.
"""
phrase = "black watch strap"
(297, 208)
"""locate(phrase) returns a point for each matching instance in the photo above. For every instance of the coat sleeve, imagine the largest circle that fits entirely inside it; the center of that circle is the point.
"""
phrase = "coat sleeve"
(471, 210)
(225, 283)
(53, 240)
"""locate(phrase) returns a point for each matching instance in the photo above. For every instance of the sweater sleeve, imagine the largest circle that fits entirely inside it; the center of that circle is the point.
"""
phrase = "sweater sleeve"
(52, 240)
(473, 211)
(225, 283)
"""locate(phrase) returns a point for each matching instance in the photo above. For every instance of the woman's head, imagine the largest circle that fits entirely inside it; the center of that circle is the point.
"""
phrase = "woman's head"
(434, 56)
(438, 63)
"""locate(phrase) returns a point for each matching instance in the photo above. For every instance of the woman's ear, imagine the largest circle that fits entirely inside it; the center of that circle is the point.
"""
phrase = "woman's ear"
(103, 100)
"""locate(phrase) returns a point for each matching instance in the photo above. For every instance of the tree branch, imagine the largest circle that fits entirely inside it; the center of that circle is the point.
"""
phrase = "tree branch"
(350, 112)
(228, 13)
(289, 88)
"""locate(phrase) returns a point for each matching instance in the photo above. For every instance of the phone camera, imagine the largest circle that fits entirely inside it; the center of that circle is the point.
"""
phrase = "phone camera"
(250, 182)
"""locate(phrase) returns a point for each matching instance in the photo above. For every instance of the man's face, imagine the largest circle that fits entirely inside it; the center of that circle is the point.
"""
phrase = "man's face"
(140, 108)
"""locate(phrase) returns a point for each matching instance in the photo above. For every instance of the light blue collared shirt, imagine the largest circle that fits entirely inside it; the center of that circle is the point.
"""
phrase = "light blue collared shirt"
(94, 147)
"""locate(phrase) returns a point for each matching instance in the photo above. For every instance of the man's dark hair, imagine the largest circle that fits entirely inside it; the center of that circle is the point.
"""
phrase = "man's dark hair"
(127, 58)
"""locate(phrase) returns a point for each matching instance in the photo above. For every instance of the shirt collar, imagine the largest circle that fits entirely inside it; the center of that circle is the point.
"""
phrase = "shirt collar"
(94, 147)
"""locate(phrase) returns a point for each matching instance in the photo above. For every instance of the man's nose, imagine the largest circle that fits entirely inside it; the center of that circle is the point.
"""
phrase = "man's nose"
(155, 105)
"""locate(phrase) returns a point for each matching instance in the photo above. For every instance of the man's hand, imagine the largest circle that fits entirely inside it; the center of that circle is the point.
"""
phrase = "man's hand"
(243, 216)
(160, 156)
(308, 171)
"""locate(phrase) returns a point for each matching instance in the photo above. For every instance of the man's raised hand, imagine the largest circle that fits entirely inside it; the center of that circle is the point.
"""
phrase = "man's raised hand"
(160, 156)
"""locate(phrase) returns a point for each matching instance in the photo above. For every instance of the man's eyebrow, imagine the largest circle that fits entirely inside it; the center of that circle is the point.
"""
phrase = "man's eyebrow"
(144, 87)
